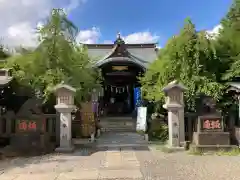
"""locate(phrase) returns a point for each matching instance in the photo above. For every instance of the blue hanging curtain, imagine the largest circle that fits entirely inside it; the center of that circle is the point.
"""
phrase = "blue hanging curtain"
(137, 97)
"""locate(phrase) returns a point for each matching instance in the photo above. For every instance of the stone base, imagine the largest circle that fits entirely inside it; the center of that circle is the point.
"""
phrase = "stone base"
(207, 148)
(92, 138)
(146, 137)
(98, 133)
(211, 138)
(65, 149)
(175, 149)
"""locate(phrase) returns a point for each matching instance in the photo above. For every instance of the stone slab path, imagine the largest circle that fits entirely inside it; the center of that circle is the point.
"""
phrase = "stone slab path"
(110, 164)
(128, 163)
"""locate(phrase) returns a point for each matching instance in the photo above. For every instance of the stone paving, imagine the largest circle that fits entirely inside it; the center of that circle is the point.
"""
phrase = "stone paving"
(128, 163)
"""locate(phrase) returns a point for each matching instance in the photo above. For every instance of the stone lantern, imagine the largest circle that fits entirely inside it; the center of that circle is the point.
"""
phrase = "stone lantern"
(174, 103)
(65, 105)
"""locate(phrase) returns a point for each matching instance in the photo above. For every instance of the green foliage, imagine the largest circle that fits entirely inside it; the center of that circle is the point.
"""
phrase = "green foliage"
(189, 57)
(228, 42)
(3, 53)
(233, 152)
(3, 56)
(141, 132)
(57, 58)
(196, 151)
(158, 132)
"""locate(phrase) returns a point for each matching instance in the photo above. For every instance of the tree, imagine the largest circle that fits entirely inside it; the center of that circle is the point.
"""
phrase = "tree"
(3, 55)
(190, 58)
(57, 58)
(228, 42)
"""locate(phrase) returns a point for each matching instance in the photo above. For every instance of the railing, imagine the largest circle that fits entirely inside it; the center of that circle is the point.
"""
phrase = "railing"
(8, 124)
(190, 125)
(51, 123)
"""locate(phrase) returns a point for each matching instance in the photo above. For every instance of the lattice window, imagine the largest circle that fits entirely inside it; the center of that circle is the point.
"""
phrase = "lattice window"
(64, 99)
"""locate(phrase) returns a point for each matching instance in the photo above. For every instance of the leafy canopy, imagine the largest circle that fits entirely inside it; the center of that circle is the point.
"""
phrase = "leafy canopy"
(57, 58)
(189, 57)
(228, 42)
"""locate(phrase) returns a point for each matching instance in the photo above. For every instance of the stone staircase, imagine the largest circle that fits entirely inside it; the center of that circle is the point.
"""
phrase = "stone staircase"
(118, 124)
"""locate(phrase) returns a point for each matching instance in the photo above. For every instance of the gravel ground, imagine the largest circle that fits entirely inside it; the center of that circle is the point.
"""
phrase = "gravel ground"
(154, 165)
(182, 166)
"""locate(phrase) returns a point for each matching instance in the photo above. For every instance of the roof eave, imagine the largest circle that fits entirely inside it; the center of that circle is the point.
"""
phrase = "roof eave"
(108, 46)
(99, 64)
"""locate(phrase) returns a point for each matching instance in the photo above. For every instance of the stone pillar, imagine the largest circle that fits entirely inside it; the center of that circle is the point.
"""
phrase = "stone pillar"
(65, 105)
(175, 106)
(238, 109)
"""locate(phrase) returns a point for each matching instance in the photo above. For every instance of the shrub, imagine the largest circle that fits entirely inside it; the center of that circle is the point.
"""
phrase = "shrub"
(158, 131)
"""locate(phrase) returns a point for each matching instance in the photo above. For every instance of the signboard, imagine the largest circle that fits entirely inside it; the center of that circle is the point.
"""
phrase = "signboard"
(26, 125)
(33, 125)
(211, 123)
(141, 119)
(119, 68)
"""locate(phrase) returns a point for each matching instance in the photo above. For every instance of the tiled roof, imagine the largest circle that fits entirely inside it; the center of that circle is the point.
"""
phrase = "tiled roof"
(117, 59)
(4, 80)
(143, 52)
(234, 86)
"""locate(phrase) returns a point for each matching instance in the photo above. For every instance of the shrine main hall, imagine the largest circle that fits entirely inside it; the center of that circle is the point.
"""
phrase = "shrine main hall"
(121, 64)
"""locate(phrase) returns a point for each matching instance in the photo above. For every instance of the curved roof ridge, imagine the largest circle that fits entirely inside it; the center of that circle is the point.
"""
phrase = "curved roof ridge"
(100, 63)
(135, 57)
(109, 54)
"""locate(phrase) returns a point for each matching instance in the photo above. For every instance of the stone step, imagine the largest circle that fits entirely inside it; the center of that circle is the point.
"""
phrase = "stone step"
(123, 146)
(119, 127)
(127, 118)
(118, 124)
(118, 130)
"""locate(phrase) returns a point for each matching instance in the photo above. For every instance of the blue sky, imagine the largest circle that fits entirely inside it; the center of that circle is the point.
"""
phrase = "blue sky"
(100, 20)
(162, 18)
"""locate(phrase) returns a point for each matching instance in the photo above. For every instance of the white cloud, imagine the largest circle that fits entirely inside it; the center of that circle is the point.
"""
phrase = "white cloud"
(214, 32)
(74, 4)
(19, 18)
(89, 36)
(141, 37)
(21, 33)
(137, 38)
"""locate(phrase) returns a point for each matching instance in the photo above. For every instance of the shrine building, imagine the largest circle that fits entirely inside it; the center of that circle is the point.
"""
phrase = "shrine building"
(121, 64)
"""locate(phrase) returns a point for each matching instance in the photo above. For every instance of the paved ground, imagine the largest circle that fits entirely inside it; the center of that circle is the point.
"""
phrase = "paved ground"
(123, 162)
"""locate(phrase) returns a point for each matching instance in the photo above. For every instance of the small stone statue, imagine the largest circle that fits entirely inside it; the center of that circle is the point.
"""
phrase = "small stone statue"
(206, 105)
(209, 105)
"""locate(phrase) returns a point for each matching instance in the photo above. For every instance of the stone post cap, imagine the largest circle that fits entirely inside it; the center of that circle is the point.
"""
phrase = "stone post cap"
(173, 106)
(174, 84)
(64, 86)
(64, 108)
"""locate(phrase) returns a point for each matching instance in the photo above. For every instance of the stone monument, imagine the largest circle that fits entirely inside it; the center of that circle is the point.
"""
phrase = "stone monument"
(65, 105)
(210, 128)
(174, 103)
